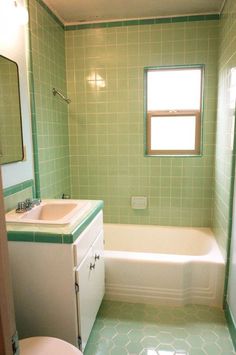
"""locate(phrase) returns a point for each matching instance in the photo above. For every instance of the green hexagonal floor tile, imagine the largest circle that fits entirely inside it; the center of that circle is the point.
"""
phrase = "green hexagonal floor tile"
(137, 329)
(134, 347)
(195, 341)
(150, 342)
(120, 340)
(118, 350)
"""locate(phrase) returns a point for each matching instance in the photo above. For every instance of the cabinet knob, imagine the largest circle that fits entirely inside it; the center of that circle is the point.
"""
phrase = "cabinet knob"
(97, 257)
(92, 266)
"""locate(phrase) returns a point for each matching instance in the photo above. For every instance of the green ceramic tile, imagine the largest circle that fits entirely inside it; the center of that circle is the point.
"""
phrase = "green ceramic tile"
(68, 239)
(50, 130)
(17, 188)
(47, 238)
(18, 193)
(111, 139)
(20, 236)
(126, 328)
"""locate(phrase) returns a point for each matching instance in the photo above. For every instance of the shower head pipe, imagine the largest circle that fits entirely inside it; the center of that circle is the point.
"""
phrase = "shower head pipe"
(55, 91)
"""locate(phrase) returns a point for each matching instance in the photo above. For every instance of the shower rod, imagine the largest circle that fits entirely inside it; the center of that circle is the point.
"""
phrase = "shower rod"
(55, 91)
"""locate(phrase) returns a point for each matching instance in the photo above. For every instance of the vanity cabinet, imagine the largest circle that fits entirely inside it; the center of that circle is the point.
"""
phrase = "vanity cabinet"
(89, 277)
(58, 288)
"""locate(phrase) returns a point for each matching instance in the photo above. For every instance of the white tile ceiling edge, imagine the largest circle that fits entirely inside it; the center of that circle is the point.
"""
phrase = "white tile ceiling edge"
(126, 19)
(73, 23)
(131, 18)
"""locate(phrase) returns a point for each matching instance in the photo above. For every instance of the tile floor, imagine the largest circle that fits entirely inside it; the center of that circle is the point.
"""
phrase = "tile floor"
(136, 329)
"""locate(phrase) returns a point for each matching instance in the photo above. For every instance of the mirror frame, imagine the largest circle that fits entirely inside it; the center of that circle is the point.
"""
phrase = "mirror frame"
(20, 118)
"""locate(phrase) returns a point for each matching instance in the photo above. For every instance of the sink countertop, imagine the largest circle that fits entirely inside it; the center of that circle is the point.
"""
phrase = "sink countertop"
(52, 233)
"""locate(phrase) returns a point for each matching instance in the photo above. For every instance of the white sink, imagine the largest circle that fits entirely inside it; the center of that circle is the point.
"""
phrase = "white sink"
(51, 212)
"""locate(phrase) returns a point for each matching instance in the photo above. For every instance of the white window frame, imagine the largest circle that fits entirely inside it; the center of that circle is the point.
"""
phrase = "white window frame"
(174, 113)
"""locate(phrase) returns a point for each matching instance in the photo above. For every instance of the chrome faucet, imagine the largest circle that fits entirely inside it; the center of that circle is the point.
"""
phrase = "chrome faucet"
(27, 205)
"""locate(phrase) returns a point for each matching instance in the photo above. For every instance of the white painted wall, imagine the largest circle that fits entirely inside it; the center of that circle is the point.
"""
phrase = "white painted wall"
(14, 45)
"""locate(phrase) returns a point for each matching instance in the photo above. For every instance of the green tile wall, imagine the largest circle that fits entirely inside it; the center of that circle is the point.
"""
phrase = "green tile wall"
(224, 152)
(14, 194)
(50, 113)
(106, 125)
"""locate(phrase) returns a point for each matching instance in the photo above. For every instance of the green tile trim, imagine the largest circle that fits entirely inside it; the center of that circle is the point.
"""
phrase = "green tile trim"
(68, 239)
(165, 20)
(230, 221)
(212, 17)
(182, 19)
(231, 324)
(47, 238)
(37, 193)
(81, 227)
(19, 187)
(49, 11)
(13, 236)
(39, 237)
(150, 21)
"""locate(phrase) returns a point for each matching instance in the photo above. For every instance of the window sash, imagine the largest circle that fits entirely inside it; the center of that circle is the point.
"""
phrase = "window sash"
(195, 113)
(200, 68)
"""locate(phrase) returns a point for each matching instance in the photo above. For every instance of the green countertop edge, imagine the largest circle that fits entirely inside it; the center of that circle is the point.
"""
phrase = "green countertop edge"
(40, 237)
(231, 325)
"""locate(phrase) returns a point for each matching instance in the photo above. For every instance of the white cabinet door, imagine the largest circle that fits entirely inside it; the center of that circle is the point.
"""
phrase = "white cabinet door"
(99, 271)
(90, 278)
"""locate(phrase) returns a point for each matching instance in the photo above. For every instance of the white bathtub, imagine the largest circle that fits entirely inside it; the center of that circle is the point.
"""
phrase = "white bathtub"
(163, 265)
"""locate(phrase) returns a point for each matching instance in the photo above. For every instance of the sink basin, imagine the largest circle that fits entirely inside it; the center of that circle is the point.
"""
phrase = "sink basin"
(51, 212)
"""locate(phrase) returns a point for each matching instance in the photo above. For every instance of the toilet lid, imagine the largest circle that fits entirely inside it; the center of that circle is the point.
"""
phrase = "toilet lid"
(47, 346)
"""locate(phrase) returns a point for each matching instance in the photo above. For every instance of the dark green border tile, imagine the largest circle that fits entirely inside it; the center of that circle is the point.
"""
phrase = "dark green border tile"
(230, 220)
(150, 21)
(180, 19)
(18, 188)
(33, 114)
(81, 227)
(197, 18)
(132, 22)
(99, 25)
(13, 236)
(68, 239)
(114, 24)
(48, 238)
(163, 20)
(212, 17)
(231, 325)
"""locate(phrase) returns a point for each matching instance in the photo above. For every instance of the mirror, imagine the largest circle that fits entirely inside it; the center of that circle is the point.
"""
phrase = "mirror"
(11, 144)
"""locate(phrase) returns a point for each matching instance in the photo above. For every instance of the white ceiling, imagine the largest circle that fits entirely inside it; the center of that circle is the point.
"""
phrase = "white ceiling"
(87, 11)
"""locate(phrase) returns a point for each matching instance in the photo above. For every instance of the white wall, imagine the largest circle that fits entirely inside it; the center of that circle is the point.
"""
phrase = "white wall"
(14, 45)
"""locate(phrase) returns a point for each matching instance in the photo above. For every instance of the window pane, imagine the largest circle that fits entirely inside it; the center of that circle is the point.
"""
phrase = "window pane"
(173, 132)
(176, 89)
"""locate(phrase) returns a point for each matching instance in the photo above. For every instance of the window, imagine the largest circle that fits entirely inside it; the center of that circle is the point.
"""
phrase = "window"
(174, 102)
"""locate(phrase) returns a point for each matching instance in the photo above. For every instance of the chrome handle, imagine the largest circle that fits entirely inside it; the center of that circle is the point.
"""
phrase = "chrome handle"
(92, 266)
(97, 257)
(21, 207)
